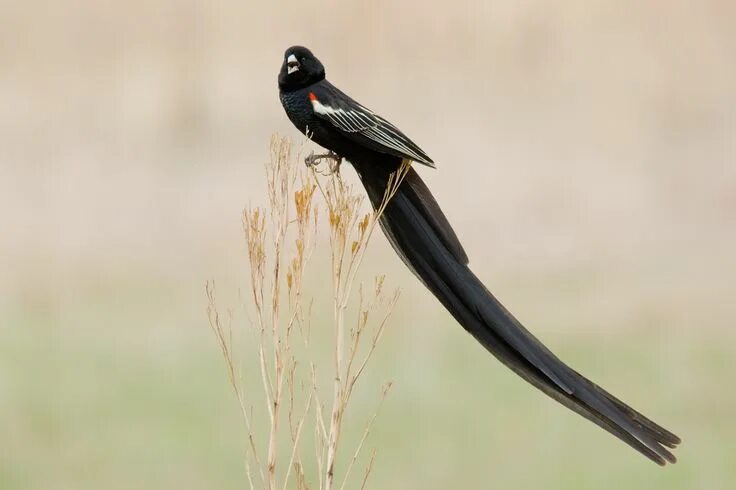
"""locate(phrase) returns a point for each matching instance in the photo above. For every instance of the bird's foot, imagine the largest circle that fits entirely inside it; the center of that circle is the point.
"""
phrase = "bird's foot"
(334, 161)
(312, 160)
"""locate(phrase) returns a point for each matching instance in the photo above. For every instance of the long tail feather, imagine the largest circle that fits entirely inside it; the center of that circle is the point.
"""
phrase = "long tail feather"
(423, 238)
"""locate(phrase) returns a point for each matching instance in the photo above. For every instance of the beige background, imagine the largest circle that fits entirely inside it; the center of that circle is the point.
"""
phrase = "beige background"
(587, 158)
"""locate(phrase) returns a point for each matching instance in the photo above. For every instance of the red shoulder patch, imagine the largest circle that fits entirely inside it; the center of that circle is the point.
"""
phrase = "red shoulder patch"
(312, 96)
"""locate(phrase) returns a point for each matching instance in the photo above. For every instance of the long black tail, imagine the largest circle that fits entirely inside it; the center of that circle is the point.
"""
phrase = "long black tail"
(425, 241)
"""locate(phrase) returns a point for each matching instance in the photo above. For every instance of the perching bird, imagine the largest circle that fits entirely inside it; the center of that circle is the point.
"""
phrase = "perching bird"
(421, 235)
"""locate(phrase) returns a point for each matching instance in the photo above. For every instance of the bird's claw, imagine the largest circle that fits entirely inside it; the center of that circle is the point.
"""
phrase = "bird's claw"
(311, 160)
(333, 158)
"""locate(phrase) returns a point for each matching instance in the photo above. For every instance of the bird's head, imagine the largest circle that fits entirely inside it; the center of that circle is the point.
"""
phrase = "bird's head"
(300, 69)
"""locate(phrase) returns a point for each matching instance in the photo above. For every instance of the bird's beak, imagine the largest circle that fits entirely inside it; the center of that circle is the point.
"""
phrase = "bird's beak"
(292, 65)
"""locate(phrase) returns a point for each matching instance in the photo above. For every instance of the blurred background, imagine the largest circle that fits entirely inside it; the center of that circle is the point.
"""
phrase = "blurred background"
(586, 157)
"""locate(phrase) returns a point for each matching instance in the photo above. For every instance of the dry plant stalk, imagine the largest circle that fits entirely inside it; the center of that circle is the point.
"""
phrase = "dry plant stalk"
(280, 239)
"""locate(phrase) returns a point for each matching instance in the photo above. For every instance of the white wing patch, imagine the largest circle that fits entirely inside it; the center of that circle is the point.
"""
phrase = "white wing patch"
(370, 125)
(351, 121)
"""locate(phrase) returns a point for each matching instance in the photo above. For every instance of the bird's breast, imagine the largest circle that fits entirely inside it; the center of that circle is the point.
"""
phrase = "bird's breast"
(298, 109)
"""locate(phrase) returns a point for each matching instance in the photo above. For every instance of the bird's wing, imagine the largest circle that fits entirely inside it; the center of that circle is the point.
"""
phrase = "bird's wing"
(362, 125)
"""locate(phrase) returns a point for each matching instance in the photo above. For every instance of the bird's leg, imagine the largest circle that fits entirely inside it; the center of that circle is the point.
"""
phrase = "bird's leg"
(335, 160)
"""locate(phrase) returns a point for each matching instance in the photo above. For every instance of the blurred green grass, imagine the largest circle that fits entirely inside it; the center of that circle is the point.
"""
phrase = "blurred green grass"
(93, 397)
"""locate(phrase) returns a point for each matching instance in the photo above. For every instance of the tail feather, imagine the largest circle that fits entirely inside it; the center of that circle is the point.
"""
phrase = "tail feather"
(423, 238)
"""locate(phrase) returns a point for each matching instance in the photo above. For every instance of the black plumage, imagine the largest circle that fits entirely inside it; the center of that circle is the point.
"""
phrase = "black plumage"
(421, 235)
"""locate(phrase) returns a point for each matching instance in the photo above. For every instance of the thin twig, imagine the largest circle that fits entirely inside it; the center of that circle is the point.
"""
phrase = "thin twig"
(367, 431)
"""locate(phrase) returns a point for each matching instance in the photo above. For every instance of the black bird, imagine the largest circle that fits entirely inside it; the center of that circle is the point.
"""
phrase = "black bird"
(421, 235)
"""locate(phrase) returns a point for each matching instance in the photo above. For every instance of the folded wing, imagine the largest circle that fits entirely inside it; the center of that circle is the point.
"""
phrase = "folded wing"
(362, 125)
